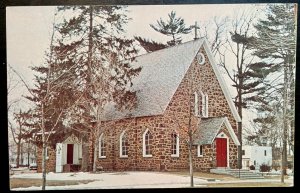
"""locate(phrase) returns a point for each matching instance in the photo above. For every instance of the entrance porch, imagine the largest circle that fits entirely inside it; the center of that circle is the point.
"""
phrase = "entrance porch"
(68, 155)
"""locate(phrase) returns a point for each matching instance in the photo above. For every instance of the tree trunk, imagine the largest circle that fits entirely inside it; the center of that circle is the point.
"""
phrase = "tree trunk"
(240, 105)
(44, 166)
(285, 125)
(85, 154)
(191, 164)
(240, 147)
(95, 155)
(21, 154)
(28, 155)
(18, 154)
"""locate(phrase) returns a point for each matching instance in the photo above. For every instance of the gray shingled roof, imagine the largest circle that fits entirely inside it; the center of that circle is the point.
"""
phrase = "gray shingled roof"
(162, 71)
(208, 130)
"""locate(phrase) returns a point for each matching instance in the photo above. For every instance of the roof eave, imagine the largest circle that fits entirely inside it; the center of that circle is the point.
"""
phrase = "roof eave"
(222, 82)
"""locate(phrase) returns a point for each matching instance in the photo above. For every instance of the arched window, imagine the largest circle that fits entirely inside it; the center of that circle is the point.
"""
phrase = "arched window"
(123, 145)
(147, 143)
(196, 105)
(174, 144)
(204, 104)
(102, 146)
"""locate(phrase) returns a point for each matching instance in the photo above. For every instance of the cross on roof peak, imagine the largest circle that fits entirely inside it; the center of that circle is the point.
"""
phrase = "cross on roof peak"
(195, 27)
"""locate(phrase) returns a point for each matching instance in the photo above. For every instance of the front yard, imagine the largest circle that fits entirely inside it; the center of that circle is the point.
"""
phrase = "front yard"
(119, 180)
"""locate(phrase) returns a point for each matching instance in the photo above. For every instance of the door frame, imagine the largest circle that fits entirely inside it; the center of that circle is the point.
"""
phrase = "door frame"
(223, 135)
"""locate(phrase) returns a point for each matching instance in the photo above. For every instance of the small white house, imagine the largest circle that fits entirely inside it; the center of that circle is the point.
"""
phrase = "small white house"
(256, 155)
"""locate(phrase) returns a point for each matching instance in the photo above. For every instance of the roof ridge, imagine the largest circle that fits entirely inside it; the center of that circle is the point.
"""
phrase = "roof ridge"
(178, 45)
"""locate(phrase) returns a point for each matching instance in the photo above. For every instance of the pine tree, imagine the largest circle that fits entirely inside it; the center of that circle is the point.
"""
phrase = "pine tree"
(276, 41)
(174, 27)
(248, 77)
(150, 45)
(93, 48)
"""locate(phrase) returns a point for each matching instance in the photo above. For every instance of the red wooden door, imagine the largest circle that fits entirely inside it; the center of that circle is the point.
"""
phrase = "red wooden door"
(70, 153)
(221, 152)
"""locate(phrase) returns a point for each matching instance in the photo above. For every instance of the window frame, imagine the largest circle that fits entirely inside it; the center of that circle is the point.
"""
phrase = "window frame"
(122, 145)
(204, 108)
(102, 138)
(200, 150)
(176, 144)
(148, 143)
(196, 104)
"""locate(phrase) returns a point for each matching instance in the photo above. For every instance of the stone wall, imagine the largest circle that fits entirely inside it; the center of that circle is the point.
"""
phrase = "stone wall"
(175, 118)
(50, 163)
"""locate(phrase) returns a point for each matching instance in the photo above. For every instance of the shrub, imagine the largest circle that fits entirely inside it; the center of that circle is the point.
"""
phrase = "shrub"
(289, 165)
(252, 167)
(264, 168)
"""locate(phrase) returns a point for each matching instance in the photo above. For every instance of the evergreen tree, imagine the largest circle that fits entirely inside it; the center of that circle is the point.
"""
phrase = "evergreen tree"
(276, 42)
(93, 49)
(248, 77)
(174, 27)
(150, 46)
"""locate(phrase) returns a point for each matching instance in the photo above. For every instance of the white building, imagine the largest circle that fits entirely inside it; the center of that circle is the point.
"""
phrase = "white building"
(256, 155)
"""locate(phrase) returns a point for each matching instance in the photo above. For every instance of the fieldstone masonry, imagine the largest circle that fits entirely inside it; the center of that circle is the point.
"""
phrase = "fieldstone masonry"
(175, 118)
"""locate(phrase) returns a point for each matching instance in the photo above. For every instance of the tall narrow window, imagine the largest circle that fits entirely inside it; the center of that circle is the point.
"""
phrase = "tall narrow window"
(123, 145)
(204, 104)
(174, 145)
(196, 106)
(102, 146)
(147, 142)
(200, 150)
(265, 152)
(47, 153)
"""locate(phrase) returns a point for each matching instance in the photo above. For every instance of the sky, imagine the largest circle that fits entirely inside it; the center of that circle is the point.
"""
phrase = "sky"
(29, 28)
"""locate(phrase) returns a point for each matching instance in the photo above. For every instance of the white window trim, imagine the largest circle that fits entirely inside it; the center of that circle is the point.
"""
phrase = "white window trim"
(144, 145)
(100, 139)
(47, 154)
(177, 146)
(200, 56)
(121, 155)
(196, 105)
(204, 102)
(198, 151)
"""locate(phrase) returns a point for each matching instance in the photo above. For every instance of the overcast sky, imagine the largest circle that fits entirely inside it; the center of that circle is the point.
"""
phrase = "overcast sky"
(29, 28)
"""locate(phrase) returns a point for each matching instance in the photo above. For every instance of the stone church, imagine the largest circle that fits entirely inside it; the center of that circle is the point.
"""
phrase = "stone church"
(179, 90)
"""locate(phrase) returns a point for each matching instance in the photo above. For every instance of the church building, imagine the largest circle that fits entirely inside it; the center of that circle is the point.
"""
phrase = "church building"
(179, 90)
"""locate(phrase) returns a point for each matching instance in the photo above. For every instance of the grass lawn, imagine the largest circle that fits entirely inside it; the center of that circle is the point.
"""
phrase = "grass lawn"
(226, 178)
(204, 175)
(23, 182)
(224, 181)
(248, 184)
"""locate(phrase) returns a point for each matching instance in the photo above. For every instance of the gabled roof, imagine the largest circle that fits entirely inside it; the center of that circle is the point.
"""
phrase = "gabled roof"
(209, 128)
(162, 72)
